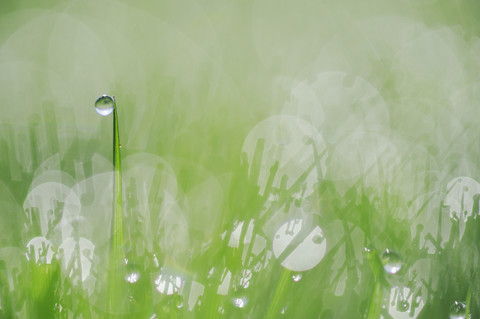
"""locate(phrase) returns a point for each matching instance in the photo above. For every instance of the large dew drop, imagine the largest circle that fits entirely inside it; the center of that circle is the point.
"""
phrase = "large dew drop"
(104, 105)
(391, 261)
(458, 310)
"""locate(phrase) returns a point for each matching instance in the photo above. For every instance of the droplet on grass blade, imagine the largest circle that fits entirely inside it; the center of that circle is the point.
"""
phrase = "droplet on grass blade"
(132, 277)
(391, 261)
(297, 277)
(403, 306)
(177, 300)
(458, 310)
(132, 273)
(104, 105)
(240, 302)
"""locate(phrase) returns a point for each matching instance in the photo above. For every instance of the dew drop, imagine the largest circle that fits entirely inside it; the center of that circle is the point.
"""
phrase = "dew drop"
(132, 277)
(391, 261)
(179, 303)
(132, 274)
(104, 105)
(369, 251)
(297, 277)
(402, 305)
(240, 302)
(458, 310)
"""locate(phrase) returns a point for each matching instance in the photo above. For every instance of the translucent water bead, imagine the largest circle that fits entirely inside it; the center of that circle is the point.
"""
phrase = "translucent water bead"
(104, 105)
(391, 261)
(458, 310)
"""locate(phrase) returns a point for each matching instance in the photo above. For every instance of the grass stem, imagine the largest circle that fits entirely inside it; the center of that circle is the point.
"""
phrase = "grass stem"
(376, 300)
(276, 304)
(469, 298)
(116, 251)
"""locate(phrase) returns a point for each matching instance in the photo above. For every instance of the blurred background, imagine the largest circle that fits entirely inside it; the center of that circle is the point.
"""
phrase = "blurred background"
(280, 159)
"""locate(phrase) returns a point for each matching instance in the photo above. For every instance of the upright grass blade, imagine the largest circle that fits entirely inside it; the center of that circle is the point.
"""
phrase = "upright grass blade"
(376, 300)
(468, 301)
(375, 306)
(44, 279)
(116, 250)
(278, 297)
(105, 105)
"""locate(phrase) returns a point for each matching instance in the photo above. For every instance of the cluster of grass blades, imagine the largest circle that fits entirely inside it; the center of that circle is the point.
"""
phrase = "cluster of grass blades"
(266, 257)
(302, 159)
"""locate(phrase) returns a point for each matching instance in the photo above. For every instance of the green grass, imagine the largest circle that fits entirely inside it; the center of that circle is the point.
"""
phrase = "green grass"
(117, 258)
(271, 153)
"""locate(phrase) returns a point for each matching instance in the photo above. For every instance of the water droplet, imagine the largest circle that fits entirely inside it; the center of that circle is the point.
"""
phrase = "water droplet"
(132, 277)
(391, 261)
(297, 277)
(104, 105)
(179, 303)
(240, 302)
(458, 310)
(403, 305)
(132, 273)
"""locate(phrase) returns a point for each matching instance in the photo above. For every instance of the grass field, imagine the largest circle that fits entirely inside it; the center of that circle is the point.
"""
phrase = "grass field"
(265, 159)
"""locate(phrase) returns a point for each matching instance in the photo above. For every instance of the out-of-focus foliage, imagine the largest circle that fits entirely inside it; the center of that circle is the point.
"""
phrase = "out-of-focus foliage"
(296, 159)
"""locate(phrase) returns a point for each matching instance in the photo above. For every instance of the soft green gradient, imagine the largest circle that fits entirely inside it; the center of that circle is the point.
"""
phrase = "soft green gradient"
(271, 152)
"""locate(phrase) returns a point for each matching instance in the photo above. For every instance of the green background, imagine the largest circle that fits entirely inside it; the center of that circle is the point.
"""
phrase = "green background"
(338, 129)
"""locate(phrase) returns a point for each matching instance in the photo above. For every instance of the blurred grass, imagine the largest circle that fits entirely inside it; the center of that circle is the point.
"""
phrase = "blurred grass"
(390, 93)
